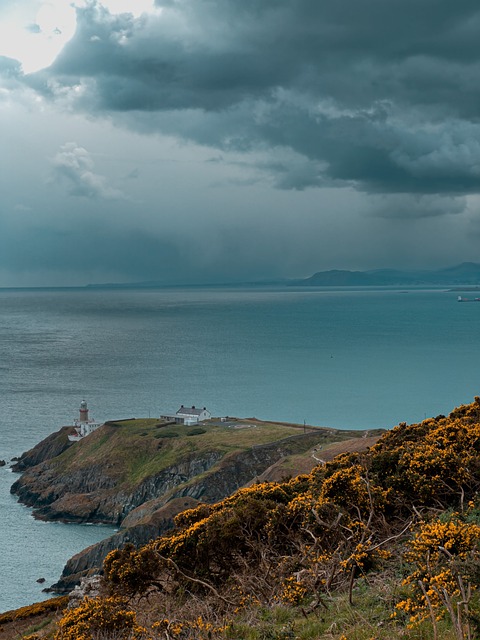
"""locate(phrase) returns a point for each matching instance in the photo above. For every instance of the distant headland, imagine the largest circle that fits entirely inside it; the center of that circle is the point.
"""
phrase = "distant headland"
(464, 274)
(467, 273)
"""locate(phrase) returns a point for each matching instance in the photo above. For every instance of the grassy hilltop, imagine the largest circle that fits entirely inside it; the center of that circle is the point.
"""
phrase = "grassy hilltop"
(379, 544)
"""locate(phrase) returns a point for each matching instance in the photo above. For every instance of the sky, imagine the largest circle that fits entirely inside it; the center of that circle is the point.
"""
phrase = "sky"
(201, 141)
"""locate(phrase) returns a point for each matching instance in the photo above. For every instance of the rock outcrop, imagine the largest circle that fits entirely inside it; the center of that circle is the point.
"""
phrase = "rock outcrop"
(51, 447)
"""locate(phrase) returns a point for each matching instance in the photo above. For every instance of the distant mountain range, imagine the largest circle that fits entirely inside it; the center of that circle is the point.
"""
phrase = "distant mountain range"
(467, 273)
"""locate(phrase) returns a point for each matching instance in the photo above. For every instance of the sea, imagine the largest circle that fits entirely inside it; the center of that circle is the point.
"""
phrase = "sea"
(351, 358)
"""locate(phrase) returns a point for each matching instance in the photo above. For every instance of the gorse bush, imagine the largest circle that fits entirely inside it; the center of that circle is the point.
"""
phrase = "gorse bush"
(445, 559)
(39, 608)
(130, 572)
(100, 619)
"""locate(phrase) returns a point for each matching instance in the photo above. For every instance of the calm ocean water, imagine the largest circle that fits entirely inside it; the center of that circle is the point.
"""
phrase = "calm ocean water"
(351, 359)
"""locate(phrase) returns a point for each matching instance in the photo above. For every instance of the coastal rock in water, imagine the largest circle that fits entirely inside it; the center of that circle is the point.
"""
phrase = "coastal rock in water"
(2, 463)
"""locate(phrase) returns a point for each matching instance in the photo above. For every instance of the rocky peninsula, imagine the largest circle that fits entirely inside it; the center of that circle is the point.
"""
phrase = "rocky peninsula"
(138, 474)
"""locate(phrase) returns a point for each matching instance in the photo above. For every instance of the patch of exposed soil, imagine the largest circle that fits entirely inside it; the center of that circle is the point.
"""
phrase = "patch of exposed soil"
(293, 466)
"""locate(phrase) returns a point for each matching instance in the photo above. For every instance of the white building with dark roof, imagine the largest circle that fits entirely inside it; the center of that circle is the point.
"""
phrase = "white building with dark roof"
(192, 415)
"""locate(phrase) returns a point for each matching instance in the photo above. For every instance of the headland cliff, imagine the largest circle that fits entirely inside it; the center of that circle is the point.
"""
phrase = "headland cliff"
(138, 474)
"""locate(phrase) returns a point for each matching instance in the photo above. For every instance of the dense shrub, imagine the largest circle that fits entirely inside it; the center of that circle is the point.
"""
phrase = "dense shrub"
(100, 619)
(196, 432)
(167, 434)
(444, 560)
(130, 571)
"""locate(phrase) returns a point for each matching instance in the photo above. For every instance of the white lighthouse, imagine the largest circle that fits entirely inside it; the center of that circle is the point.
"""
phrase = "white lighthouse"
(83, 426)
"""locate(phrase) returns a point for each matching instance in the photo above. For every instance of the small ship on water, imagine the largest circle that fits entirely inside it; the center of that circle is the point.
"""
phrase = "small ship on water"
(461, 299)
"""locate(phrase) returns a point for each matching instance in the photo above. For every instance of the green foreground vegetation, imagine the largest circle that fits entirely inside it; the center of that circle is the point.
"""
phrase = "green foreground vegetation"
(373, 545)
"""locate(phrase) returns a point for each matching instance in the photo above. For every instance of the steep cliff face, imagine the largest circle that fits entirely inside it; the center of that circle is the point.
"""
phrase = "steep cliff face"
(163, 485)
(92, 495)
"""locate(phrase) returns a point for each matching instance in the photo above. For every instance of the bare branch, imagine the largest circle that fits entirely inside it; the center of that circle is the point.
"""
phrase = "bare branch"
(196, 580)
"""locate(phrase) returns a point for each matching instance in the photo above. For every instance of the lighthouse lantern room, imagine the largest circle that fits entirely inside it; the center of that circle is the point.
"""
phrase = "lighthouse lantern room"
(83, 411)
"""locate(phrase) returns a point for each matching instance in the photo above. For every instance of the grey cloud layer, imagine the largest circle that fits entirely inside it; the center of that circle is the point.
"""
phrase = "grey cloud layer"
(382, 96)
(74, 166)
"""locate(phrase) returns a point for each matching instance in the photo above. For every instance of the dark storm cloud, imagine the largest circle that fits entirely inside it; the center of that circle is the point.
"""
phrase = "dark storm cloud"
(380, 96)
